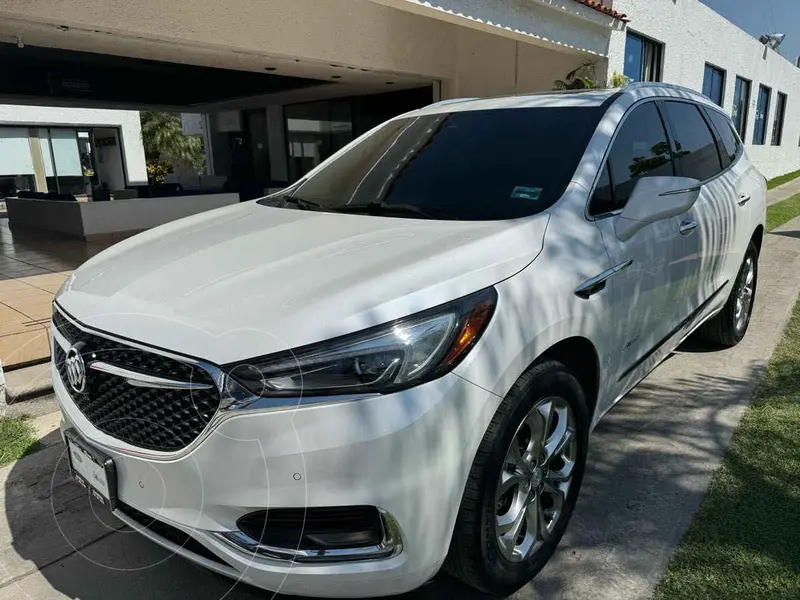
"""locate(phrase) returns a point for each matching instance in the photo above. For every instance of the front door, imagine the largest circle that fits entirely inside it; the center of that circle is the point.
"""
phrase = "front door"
(649, 278)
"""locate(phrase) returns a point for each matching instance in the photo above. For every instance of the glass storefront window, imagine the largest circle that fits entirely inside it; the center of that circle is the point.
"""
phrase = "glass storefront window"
(16, 161)
(66, 155)
(314, 131)
(56, 159)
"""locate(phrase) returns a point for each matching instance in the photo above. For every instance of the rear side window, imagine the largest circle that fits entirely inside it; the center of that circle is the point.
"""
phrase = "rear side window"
(465, 165)
(730, 141)
(696, 149)
(641, 149)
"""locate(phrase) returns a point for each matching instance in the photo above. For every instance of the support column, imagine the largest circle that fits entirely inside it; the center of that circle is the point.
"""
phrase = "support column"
(38, 160)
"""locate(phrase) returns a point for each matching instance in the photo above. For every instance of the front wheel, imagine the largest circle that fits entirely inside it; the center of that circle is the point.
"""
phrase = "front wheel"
(730, 325)
(524, 482)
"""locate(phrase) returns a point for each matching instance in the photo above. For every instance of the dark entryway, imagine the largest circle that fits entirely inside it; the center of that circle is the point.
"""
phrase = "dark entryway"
(315, 130)
(66, 74)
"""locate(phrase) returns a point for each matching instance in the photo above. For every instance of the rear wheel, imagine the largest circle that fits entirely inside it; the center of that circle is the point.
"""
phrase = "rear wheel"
(524, 482)
(730, 325)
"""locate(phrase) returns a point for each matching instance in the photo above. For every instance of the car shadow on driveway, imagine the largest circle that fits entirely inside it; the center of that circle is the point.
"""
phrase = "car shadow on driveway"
(650, 463)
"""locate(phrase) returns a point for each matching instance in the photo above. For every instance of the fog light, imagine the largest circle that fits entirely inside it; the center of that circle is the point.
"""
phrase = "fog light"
(314, 528)
(330, 534)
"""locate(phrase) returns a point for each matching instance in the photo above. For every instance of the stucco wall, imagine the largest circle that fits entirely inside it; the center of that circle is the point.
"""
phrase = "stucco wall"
(490, 65)
(693, 35)
(127, 121)
(545, 22)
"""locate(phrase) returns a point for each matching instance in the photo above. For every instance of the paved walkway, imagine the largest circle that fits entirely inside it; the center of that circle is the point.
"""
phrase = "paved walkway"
(32, 268)
(782, 192)
(651, 461)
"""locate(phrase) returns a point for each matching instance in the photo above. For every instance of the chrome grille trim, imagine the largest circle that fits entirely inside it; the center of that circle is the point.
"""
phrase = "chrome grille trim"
(126, 447)
(137, 379)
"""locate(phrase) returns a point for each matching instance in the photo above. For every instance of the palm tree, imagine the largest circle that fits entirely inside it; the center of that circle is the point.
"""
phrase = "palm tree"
(582, 77)
(164, 140)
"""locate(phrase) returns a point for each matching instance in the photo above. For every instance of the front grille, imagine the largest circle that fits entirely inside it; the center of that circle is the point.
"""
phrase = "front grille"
(153, 418)
(170, 533)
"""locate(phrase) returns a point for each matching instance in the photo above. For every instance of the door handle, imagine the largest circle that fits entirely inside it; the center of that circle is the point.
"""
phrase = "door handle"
(687, 227)
(598, 282)
(743, 199)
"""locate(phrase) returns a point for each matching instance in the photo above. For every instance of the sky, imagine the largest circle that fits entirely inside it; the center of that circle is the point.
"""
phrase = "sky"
(757, 17)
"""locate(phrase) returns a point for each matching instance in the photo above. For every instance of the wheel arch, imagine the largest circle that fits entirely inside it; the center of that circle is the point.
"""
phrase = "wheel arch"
(580, 356)
(758, 237)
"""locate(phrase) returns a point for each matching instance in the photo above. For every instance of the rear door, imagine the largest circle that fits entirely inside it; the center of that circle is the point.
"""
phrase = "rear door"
(746, 184)
(704, 230)
(646, 283)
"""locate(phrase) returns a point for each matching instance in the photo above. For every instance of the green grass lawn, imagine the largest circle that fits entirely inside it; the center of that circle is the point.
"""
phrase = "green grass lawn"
(17, 438)
(775, 182)
(745, 541)
(780, 213)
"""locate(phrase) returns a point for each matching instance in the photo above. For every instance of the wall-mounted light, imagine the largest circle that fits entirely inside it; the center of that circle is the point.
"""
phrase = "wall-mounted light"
(772, 41)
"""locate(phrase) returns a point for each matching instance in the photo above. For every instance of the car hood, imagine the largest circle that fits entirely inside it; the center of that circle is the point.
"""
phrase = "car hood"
(250, 280)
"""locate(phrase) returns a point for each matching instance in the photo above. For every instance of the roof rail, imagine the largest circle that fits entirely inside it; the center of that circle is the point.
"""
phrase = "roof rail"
(452, 101)
(659, 84)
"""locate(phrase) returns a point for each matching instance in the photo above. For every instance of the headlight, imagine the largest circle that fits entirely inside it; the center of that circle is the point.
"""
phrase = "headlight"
(381, 359)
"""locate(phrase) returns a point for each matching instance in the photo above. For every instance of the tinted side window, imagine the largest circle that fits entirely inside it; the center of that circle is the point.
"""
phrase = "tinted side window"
(640, 149)
(603, 199)
(697, 151)
(730, 141)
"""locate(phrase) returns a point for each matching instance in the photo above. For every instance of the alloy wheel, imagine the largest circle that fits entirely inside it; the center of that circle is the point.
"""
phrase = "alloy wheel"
(536, 477)
(744, 294)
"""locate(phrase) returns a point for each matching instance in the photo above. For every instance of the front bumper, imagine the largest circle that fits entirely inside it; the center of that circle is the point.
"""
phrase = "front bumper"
(407, 453)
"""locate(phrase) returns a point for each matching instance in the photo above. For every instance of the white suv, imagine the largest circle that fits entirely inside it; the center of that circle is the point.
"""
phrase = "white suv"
(395, 365)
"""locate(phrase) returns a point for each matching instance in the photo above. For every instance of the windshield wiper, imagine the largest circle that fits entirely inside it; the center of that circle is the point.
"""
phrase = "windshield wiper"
(302, 203)
(379, 208)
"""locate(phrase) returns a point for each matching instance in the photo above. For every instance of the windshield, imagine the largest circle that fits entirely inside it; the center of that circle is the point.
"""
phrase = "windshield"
(471, 165)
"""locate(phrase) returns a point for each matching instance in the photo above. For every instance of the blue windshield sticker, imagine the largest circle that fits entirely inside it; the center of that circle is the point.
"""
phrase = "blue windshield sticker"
(526, 193)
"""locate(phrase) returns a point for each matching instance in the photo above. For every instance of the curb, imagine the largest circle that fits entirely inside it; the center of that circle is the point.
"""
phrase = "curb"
(3, 404)
(27, 383)
(15, 397)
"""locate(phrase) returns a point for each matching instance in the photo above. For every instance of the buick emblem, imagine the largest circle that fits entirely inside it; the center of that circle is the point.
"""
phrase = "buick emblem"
(76, 369)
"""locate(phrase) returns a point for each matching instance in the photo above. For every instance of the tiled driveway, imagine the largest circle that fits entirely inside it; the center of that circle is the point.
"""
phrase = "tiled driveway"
(33, 266)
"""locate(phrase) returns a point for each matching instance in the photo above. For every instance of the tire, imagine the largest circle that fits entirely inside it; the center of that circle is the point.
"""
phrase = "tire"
(727, 328)
(476, 556)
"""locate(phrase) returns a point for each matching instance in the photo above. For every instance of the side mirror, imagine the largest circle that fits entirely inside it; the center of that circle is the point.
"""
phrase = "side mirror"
(653, 199)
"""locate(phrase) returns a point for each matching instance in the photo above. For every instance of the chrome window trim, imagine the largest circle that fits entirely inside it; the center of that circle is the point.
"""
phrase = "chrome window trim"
(586, 214)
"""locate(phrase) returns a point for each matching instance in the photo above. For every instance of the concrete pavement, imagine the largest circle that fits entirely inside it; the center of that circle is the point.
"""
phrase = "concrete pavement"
(787, 190)
(650, 464)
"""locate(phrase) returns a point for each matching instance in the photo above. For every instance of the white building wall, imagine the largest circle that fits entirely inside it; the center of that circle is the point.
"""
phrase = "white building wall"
(694, 35)
(126, 120)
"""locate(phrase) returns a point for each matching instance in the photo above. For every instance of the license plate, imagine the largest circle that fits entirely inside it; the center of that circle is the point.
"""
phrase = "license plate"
(92, 469)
